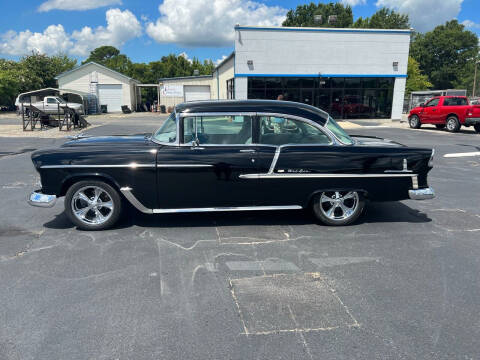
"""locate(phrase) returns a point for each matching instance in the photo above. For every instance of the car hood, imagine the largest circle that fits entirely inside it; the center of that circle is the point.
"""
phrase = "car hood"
(374, 141)
(114, 140)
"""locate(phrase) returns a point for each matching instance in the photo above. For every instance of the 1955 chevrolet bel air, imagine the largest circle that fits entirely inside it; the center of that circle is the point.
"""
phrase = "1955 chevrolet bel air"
(231, 156)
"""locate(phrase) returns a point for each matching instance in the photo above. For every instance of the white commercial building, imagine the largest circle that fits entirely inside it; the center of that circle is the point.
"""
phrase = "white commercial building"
(350, 73)
(112, 88)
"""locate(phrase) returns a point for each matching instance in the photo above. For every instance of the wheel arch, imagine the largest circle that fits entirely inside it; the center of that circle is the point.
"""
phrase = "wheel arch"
(74, 178)
(452, 114)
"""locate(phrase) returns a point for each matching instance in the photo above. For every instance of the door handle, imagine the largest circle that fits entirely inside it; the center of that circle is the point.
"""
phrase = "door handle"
(251, 151)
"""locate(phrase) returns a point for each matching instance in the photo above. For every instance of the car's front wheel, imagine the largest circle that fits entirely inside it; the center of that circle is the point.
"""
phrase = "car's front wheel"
(414, 122)
(477, 128)
(338, 207)
(93, 205)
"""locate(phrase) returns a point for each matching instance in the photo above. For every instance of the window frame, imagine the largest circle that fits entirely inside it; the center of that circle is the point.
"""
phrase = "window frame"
(293, 118)
(255, 129)
(195, 115)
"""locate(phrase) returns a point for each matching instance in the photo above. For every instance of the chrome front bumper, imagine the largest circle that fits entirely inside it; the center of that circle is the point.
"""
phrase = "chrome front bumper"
(36, 198)
(421, 194)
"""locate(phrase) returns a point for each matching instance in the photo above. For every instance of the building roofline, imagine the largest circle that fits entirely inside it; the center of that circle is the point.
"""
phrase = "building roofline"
(318, 29)
(187, 77)
(94, 63)
(221, 63)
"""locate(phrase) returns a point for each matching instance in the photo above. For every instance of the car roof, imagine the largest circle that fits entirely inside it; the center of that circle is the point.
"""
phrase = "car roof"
(259, 106)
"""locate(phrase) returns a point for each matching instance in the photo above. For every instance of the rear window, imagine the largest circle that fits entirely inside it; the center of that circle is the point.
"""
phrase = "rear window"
(455, 101)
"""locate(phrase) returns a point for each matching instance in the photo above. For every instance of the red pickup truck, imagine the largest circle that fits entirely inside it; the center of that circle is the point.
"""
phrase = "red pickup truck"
(446, 111)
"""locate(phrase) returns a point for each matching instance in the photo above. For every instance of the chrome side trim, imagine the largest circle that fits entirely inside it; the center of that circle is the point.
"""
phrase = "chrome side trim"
(186, 114)
(319, 176)
(183, 165)
(421, 194)
(404, 170)
(415, 182)
(237, 208)
(127, 192)
(274, 161)
(131, 165)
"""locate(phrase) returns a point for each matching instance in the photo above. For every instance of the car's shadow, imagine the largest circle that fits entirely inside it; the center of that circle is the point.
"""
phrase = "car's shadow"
(388, 212)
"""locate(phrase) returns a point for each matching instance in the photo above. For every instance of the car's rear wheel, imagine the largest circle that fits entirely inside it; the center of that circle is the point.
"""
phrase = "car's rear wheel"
(93, 205)
(338, 207)
(414, 122)
(453, 125)
(477, 128)
(440, 126)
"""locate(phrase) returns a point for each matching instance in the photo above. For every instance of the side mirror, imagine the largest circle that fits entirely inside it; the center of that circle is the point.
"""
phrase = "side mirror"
(422, 105)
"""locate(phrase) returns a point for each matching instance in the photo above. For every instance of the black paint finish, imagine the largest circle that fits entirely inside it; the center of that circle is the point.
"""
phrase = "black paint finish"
(182, 176)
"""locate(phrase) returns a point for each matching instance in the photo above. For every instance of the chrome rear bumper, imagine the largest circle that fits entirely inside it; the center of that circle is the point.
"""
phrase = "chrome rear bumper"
(421, 194)
(36, 198)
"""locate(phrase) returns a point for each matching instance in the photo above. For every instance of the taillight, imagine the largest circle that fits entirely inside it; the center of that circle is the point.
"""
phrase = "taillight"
(430, 162)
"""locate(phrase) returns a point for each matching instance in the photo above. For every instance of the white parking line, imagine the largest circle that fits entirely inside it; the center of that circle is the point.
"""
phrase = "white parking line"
(467, 154)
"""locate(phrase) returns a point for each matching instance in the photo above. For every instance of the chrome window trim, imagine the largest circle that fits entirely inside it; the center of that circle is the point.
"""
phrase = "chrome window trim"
(131, 165)
(339, 142)
(319, 176)
(316, 125)
(177, 141)
(184, 115)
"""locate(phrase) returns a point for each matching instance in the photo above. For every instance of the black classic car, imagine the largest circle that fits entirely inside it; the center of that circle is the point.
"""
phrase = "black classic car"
(231, 156)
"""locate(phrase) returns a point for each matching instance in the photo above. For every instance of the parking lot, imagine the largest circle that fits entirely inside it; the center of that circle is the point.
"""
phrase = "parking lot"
(402, 283)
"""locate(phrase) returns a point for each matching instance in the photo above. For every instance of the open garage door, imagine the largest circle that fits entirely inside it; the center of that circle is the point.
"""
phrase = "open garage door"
(111, 95)
(196, 92)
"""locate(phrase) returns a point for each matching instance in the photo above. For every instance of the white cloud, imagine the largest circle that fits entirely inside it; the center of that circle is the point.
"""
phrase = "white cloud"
(353, 3)
(207, 22)
(471, 24)
(218, 61)
(425, 14)
(121, 27)
(75, 4)
(53, 40)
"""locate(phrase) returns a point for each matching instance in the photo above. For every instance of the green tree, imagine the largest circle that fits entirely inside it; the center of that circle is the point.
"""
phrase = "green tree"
(384, 19)
(416, 80)
(304, 15)
(10, 81)
(446, 54)
(102, 54)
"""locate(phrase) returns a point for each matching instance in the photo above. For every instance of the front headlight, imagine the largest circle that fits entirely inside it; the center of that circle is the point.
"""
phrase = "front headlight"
(430, 162)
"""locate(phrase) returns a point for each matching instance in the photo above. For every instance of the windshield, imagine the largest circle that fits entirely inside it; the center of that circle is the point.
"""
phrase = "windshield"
(168, 131)
(339, 133)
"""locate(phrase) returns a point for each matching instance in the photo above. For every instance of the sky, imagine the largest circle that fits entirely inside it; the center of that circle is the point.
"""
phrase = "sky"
(146, 30)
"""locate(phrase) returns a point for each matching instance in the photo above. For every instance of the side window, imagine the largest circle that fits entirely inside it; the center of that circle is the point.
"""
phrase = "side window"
(168, 132)
(51, 101)
(433, 103)
(218, 130)
(281, 131)
(454, 101)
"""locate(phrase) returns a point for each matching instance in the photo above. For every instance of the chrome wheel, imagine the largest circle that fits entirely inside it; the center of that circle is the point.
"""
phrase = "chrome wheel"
(92, 205)
(339, 205)
(451, 124)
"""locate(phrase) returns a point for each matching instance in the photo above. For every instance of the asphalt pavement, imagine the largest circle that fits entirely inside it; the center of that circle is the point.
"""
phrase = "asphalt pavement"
(401, 283)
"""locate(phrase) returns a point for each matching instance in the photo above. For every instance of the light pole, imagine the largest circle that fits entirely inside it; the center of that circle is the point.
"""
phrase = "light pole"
(475, 78)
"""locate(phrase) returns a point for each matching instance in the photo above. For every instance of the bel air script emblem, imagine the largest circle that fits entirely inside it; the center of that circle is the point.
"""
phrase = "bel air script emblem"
(295, 171)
